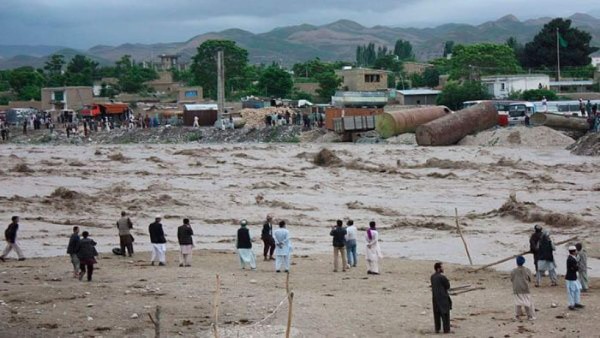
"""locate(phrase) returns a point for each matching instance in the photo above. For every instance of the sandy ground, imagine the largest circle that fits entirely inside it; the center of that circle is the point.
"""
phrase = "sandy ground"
(39, 298)
(411, 192)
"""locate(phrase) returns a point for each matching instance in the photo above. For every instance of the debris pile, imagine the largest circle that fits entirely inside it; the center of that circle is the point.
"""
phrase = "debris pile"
(589, 145)
(326, 158)
(529, 212)
(64, 193)
(518, 136)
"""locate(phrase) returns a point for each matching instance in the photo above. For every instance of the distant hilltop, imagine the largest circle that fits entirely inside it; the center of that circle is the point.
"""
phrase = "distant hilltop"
(292, 44)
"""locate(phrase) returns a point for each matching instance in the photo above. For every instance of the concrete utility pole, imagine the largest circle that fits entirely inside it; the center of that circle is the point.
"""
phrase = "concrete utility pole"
(220, 87)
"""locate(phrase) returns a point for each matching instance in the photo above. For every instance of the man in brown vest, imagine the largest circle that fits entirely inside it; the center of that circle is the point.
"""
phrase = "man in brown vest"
(125, 238)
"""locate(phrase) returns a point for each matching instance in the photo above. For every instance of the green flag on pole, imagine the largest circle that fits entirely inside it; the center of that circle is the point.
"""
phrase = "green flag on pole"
(562, 42)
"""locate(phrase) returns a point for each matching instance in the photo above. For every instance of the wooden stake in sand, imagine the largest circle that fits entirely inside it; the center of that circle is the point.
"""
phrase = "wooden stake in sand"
(461, 236)
(290, 296)
(156, 322)
(216, 308)
(517, 255)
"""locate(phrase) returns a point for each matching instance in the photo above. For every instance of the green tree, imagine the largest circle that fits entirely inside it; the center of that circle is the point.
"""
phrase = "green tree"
(54, 70)
(4, 80)
(311, 68)
(448, 46)
(538, 95)
(204, 66)
(132, 75)
(470, 62)
(300, 95)
(328, 84)
(575, 51)
(388, 62)
(403, 50)
(366, 55)
(276, 82)
(186, 76)
(27, 83)
(429, 78)
(81, 71)
(455, 93)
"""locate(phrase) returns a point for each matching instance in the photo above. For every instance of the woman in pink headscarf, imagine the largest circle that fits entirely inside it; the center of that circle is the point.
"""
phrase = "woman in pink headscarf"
(373, 252)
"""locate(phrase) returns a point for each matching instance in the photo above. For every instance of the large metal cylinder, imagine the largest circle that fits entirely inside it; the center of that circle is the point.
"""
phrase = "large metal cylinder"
(560, 121)
(399, 122)
(452, 128)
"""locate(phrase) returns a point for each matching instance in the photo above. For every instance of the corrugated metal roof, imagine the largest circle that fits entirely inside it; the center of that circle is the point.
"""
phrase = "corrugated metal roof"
(200, 106)
(409, 92)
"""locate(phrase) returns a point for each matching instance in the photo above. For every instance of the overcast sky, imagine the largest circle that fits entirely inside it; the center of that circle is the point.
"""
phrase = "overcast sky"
(85, 23)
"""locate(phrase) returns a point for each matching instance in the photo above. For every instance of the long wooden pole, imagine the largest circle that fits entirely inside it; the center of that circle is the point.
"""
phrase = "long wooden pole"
(289, 322)
(517, 255)
(216, 308)
(290, 295)
(157, 325)
(461, 236)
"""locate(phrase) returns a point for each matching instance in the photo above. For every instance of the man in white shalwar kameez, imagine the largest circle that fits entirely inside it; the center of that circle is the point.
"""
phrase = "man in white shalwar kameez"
(243, 244)
(283, 247)
(373, 252)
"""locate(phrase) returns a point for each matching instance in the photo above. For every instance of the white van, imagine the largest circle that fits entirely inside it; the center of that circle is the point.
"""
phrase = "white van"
(518, 111)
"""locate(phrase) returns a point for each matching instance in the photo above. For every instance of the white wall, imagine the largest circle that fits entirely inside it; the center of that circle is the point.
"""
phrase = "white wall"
(501, 87)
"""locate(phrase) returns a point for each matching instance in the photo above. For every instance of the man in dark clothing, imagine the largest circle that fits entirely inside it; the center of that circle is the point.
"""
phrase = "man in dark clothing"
(442, 304)
(243, 244)
(11, 239)
(546, 259)
(186, 243)
(267, 238)
(86, 252)
(534, 244)
(339, 244)
(158, 240)
(573, 285)
(73, 241)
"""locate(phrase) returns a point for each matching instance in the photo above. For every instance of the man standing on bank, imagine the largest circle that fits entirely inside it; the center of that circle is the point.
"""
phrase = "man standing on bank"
(186, 243)
(573, 285)
(243, 244)
(159, 242)
(125, 238)
(283, 250)
(267, 238)
(339, 244)
(351, 235)
(73, 242)
(442, 304)
(11, 239)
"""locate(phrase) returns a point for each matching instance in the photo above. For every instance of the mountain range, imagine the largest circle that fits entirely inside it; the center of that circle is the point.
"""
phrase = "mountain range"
(291, 44)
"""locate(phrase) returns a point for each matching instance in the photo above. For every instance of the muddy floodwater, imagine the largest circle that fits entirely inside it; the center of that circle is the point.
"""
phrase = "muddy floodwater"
(411, 192)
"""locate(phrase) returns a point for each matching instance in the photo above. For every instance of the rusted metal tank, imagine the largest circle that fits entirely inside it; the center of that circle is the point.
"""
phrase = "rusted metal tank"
(399, 122)
(452, 128)
(560, 121)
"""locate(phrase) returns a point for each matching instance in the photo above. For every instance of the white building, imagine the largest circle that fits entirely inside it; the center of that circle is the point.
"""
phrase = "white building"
(596, 61)
(501, 86)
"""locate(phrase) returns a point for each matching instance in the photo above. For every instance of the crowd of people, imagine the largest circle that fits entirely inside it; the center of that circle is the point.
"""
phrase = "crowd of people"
(307, 120)
(277, 246)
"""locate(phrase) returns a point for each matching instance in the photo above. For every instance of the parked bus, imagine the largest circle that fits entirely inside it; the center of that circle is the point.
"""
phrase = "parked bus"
(570, 107)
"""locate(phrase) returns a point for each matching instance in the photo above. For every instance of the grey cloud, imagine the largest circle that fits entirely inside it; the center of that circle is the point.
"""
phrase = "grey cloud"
(85, 23)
